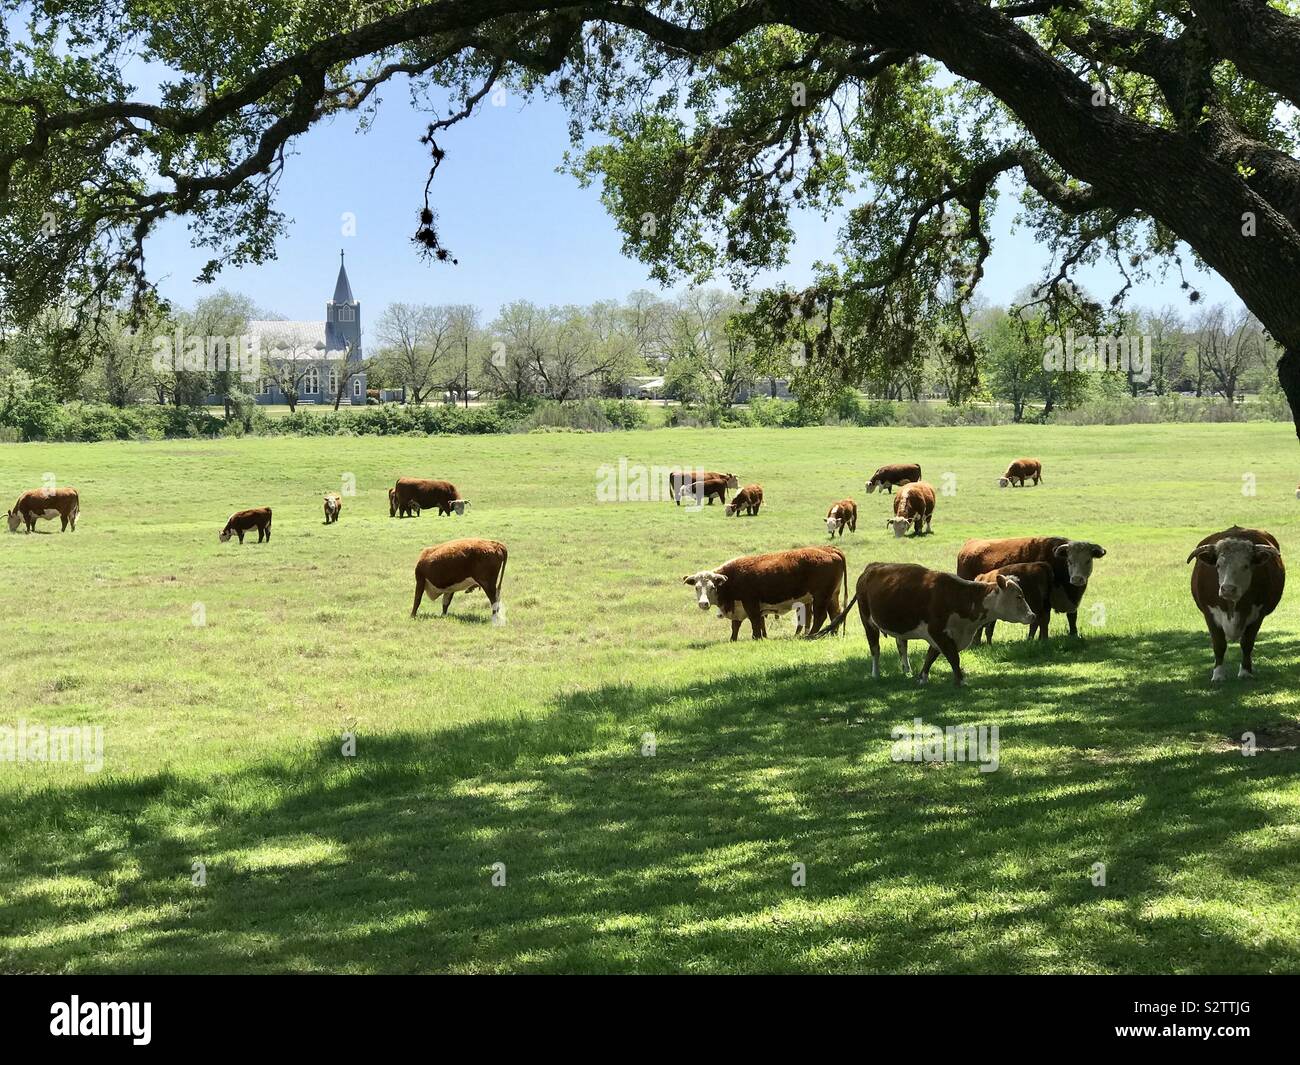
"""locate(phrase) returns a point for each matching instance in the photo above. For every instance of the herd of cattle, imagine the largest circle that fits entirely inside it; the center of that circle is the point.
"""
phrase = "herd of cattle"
(1237, 580)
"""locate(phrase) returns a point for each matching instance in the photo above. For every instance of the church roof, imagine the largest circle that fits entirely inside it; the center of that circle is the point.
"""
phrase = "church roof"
(303, 338)
(342, 288)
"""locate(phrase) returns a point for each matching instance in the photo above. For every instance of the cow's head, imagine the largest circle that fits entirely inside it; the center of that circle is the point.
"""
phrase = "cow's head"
(834, 521)
(1078, 555)
(459, 505)
(1003, 481)
(15, 520)
(731, 509)
(706, 584)
(224, 535)
(899, 525)
(1006, 601)
(392, 502)
(1235, 560)
(872, 485)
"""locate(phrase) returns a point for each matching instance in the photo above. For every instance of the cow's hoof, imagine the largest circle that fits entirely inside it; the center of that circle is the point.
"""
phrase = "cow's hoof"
(923, 679)
(1244, 674)
(1217, 676)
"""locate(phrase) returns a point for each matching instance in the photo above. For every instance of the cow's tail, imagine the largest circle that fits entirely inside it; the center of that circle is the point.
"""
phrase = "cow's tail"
(501, 574)
(835, 625)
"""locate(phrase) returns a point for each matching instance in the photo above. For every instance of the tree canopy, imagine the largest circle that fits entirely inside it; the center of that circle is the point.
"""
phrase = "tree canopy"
(1142, 131)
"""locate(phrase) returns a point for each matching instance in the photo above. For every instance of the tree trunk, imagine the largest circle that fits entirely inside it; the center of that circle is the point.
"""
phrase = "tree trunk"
(1288, 375)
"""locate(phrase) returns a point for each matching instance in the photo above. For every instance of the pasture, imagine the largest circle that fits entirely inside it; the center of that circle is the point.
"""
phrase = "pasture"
(523, 744)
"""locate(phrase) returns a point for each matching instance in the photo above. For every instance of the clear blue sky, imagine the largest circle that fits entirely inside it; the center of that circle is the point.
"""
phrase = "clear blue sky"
(519, 229)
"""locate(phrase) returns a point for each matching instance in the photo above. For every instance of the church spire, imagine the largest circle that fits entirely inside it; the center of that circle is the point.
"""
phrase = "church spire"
(342, 288)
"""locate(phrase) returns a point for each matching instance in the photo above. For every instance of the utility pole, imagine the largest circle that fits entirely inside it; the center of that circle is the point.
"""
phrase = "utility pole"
(466, 369)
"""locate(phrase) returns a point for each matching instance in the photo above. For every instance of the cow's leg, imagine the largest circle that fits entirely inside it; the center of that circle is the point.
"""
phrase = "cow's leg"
(924, 676)
(1219, 642)
(63, 523)
(419, 594)
(754, 609)
(988, 630)
(446, 602)
(818, 616)
(1073, 617)
(735, 631)
(241, 535)
(1043, 621)
(1033, 627)
(873, 640)
(1247, 669)
(903, 660)
(489, 587)
(951, 653)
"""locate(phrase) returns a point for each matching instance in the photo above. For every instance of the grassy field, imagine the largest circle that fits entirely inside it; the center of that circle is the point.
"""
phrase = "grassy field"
(523, 744)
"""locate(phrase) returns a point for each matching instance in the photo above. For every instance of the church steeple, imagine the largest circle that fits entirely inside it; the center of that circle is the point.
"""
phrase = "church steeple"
(342, 288)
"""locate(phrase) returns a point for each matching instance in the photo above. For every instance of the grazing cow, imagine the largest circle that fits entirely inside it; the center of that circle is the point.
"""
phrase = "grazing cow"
(46, 504)
(894, 476)
(333, 504)
(1071, 562)
(461, 566)
(1236, 583)
(241, 521)
(1035, 580)
(702, 484)
(843, 513)
(1021, 470)
(806, 578)
(748, 499)
(914, 506)
(911, 602)
(416, 494)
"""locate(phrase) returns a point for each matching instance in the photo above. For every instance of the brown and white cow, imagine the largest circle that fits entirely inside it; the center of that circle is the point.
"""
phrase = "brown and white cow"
(1035, 580)
(1020, 471)
(748, 499)
(333, 504)
(1236, 583)
(413, 494)
(844, 513)
(894, 476)
(1071, 562)
(46, 504)
(914, 506)
(461, 566)
(806, 579)
(702, 485)
(911, 602)
(242, 521)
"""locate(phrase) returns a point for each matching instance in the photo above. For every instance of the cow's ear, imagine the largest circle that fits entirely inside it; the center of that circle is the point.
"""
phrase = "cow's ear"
(719, 578)
(1060, 551)
(1208, 554)
(1098, 551)
(1002, 580)
(1263, 553)
(689, 580)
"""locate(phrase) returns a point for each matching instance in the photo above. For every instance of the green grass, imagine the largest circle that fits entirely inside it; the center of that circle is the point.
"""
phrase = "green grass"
(521, 744)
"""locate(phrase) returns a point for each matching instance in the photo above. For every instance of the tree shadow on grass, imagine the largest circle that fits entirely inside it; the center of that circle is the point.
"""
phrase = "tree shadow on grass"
(616, 859)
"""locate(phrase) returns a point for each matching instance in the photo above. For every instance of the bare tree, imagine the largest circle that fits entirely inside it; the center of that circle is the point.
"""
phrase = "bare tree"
(416, 343)
(1228, 346)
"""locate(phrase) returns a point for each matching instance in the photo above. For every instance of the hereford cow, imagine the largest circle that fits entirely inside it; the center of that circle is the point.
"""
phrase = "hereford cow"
(461, 566)
(702, 484)
(911, 602)
(1035, 580)
(914, 506)
(1071, 562)
(1236, 583)
(748, 499)
(843, 513)
(46, 504)
(416, 494)
(1020, 471)
(333, 504)
(806, 578)
(241, 521)
(894, 476)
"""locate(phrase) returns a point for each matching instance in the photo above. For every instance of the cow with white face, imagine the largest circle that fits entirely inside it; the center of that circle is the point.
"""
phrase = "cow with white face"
(1236, 583)
(1071, 562)
(806, 580)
